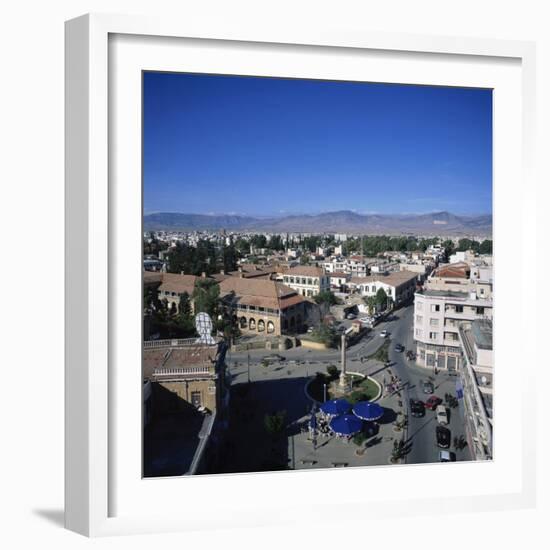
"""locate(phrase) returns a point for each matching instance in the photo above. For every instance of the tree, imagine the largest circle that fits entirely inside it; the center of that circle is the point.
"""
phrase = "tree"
(185, 315)
(370, 302)
(381, 298)
(275, 423)
(326, 297)
(206, 297)
(486, 247)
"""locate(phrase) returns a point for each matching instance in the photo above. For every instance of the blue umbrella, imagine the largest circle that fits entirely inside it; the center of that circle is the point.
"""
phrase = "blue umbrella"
(336, 406)
(368, 411)
(346, 424)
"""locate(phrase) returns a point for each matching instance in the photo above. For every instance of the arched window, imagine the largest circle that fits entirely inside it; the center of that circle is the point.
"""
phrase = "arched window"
(243, 322)
(261, 326)
(270, 327)
(252, 324)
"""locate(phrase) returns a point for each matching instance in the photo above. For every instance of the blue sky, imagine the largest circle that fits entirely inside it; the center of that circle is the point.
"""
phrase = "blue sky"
(269, 146)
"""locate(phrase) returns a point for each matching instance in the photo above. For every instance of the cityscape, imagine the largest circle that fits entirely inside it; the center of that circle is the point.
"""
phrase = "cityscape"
(335, 315)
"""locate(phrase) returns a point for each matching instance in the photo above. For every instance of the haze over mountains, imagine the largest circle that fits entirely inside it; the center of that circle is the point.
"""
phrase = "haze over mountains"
(343, 221)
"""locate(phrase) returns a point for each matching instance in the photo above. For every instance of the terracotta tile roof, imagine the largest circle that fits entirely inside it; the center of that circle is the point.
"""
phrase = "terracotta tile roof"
(152, 277)
(458, 270)
(258, 292)
(172, 282)
(395, 278)
(304, 271)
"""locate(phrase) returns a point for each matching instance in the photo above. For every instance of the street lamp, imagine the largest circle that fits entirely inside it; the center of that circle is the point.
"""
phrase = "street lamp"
(325, 392)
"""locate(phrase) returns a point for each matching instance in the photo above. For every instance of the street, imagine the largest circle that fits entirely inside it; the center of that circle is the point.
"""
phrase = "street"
(301, 363)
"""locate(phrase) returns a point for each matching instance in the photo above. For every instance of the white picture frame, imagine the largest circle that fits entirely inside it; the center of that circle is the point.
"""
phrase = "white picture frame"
(100, 413)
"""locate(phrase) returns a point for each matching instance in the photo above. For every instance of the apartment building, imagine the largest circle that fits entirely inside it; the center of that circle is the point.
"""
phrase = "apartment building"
(476, 376)
(437, 318)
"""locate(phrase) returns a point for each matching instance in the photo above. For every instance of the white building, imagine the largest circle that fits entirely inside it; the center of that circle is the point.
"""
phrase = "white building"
(306, 280)
(437, 316)
(399, 286)
(476, 375)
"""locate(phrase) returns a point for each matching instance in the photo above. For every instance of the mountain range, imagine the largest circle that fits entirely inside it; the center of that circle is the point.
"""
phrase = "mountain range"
(342, 221)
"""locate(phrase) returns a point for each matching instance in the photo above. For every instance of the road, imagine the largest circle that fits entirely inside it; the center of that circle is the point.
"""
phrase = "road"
(300, 362)
(421, 431)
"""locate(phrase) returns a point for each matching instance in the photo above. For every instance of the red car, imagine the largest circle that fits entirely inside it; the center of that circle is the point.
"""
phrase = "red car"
(433, 401)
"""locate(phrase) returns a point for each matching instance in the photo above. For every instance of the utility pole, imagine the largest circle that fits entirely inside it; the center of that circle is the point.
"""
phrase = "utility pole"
(248, 366)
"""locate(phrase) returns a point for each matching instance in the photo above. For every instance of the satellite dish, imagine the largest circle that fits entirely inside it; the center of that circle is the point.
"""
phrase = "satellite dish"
(204, 326)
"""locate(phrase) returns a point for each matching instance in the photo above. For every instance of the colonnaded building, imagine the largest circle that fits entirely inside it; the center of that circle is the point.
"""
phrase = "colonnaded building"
(263, 307)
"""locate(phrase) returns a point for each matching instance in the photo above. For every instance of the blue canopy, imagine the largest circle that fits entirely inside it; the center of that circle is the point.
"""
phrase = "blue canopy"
(346, 424)
(368, 411)
(336, 406)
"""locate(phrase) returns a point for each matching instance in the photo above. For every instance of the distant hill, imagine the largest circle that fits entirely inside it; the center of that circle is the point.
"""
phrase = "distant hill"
(343, 221)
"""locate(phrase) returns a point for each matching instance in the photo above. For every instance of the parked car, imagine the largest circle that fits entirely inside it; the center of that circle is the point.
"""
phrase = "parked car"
(310, 329)
(399, 348)
(351, 316)
(443, 437)
(427, 387)
(442, 414)
(410, 354)
(432, 402)
(383, 333)
(417, 407)
(446, 456)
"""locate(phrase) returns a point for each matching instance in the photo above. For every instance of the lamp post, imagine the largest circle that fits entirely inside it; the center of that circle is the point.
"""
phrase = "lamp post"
(324, 392)
(248, 366)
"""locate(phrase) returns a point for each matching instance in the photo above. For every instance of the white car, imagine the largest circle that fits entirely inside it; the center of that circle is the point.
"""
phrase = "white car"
(446, 456)
(441, 414)
(384, 333)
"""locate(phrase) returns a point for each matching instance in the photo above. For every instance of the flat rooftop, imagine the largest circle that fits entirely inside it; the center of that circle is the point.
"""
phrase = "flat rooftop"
(482, 332)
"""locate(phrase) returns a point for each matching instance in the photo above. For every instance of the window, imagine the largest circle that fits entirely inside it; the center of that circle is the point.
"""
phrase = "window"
(419, 319)
(418, 333)
(459, 309)
(286, 279)
(433, 335)
(292, 280)
(482, 291)
(434, 322)
(309, 282)
(419, 306)
(435, 308)
(480, 310)
(270, 327)
(196, 398)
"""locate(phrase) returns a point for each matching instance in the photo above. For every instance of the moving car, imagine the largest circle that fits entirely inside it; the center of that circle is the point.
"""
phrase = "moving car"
(384, 333)
(399, 348)
(443, 437)
(417, 407)
(427, 387)
(441, 414)
(446, 456)
(432, 402)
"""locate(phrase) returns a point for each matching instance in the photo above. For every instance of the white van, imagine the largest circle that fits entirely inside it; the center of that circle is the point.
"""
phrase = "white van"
(441, 414)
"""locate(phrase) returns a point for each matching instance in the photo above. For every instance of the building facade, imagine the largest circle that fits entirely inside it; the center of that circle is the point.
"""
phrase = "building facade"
(476, 375)
(400, 286)
(263, 307)
(306, 280)
(437, 318)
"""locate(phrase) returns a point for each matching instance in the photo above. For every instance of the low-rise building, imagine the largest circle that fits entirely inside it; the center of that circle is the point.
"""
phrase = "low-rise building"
(476, 375)
(186, 393)
(400, 286)
(305, 280)
(263, 307)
